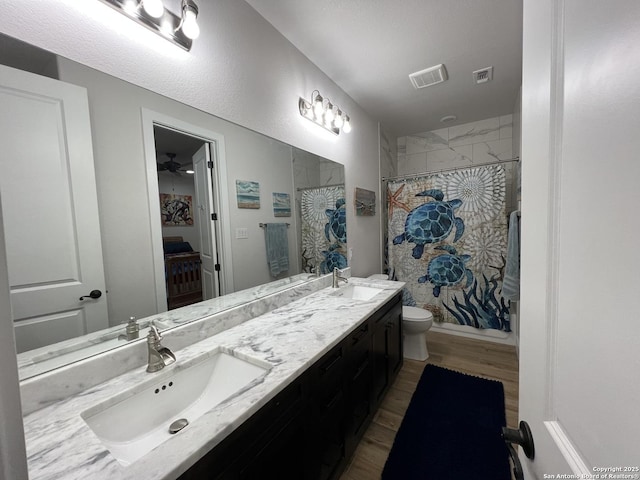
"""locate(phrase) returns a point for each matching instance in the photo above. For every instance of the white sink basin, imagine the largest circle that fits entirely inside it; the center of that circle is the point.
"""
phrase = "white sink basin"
(357, 292)
(133, 423)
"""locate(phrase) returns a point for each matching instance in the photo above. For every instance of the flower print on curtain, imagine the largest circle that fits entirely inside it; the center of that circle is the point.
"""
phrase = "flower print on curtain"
(324, 229)
(447, 241)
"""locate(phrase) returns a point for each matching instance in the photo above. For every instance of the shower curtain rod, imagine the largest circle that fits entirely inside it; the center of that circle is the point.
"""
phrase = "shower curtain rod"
(424, 174)
(300, 189)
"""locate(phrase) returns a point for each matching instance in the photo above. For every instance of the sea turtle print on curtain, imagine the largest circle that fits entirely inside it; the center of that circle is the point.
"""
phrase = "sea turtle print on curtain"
(447, 241)
(324, 229)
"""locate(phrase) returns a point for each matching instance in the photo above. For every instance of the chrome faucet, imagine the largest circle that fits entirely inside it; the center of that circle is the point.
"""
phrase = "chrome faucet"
(132, 330)
(159, 356)
(337, 278)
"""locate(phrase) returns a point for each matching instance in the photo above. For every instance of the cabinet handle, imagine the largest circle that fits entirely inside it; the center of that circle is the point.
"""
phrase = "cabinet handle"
(326, 368)
(359, 337)
(362, 368)
(333, 400)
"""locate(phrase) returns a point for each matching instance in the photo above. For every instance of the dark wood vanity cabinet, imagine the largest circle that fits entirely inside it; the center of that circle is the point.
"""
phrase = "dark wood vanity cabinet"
(311, 428)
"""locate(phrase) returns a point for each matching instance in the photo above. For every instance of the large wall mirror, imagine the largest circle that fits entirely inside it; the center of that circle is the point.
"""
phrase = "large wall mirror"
(136, 201)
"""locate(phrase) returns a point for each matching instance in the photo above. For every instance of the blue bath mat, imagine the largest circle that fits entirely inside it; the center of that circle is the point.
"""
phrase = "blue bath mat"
(451, 430)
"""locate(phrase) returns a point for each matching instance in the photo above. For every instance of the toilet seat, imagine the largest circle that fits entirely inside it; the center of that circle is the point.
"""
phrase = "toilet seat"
(415, 314)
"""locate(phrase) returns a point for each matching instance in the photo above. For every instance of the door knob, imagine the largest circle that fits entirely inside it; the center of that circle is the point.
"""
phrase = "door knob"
(523, 437)
(94, 294)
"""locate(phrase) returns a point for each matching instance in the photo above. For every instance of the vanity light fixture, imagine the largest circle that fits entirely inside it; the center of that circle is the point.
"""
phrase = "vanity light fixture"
(324, 113)
(181, 30)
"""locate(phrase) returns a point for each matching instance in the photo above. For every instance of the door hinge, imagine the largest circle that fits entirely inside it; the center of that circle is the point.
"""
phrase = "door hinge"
(214, 216)
(217, 267)
(210, 164)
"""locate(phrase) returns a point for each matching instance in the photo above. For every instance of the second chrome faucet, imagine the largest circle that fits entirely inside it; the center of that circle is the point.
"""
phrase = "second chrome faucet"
(159, 356)
(337, 278)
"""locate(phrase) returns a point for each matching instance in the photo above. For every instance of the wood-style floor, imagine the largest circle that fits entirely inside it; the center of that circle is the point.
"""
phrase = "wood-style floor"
(475, 357)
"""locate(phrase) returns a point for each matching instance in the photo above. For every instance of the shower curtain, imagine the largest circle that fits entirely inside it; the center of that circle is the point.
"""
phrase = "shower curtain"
(324, 229)
(447, 240)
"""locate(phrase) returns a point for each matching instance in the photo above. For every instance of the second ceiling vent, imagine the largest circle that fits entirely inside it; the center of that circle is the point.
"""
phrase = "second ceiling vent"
(483, 75)
(429, 76)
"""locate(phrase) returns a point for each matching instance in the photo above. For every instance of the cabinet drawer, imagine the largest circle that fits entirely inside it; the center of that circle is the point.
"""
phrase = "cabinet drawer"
(327, 375)
(282, 404)
(359, 336)
(378, 317)
(330, 363)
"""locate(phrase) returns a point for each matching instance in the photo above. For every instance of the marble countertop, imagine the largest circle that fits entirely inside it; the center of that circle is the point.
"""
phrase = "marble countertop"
(49, 357)
(60, 445)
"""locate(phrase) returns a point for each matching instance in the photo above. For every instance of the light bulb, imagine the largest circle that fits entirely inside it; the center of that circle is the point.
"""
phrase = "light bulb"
(166, 27)
(318, 107)
(346, 128)
(189, 21)
(328, 114)
(131, 7)
(308, 111)
(154, 8)
(338, 121)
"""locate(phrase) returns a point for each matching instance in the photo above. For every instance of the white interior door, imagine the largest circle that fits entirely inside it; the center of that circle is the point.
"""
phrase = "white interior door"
(50, 209)
(204, 209)
(580, 333)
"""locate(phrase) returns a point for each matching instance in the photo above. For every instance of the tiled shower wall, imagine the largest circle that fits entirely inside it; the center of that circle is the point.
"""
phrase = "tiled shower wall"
(470, 144)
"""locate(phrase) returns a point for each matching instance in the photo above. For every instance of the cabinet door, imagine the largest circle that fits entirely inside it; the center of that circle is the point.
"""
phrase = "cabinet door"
(360, 408)
(393, 322)
(331, 453)
(281, 457)
(260, 433)
(359, 386)
(379, 362)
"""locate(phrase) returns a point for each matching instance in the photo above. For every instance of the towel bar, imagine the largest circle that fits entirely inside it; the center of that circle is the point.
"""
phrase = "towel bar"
(262, 225)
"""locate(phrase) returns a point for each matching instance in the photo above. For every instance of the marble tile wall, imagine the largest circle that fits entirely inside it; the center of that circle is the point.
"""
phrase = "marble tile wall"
(465, 145)
(388, 168)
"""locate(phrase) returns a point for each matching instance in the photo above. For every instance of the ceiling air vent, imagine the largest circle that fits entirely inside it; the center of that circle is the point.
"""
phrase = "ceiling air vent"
(428, 76)
(483, 75)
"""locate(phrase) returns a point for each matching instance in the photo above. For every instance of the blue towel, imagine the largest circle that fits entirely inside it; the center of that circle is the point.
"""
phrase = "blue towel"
(511, 281)
(277, 245)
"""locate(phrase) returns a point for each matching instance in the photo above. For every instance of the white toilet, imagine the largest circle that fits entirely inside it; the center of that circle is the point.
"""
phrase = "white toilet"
(415, 323)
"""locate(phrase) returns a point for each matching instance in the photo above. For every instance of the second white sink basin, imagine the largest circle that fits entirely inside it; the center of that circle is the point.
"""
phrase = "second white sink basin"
(134, 423)
(357, 292)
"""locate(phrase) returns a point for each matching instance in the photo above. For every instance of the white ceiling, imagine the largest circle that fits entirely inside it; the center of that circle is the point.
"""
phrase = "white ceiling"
(369, 47)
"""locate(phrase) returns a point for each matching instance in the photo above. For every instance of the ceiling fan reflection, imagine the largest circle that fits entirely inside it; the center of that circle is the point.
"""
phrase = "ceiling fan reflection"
(172, 166)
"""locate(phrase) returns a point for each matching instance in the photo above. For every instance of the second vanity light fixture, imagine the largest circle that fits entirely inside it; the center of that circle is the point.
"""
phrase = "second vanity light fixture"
(324, 113)
(181, 30)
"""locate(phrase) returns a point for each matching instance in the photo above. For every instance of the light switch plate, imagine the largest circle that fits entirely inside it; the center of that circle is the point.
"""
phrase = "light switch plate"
(242, 233)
